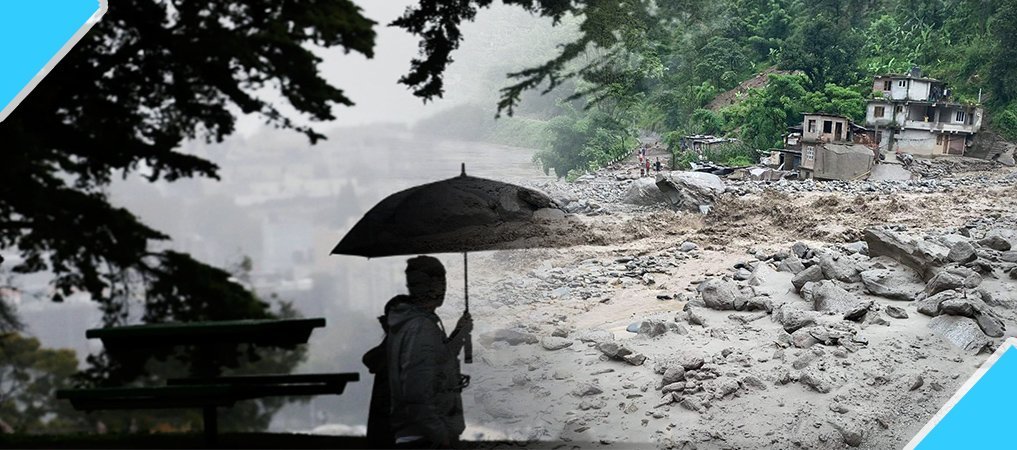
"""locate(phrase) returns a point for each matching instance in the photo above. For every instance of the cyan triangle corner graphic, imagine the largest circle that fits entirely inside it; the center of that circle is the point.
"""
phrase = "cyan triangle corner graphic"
(983, 413)
(34, 36)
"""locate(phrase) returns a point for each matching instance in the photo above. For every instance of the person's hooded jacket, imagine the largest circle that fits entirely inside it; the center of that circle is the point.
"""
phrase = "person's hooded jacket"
(423, 375)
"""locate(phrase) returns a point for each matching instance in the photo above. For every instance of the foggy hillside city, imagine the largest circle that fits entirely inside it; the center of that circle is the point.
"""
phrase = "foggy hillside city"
(727, 224)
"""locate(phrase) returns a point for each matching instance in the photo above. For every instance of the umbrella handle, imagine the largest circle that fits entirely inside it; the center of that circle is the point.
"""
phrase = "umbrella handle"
(468, 343)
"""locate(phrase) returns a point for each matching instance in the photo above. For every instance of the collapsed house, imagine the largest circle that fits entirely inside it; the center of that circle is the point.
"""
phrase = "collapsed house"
(916, 115)
(828, 147)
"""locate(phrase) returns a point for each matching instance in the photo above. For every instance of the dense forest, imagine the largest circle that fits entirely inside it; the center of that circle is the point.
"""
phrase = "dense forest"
(666, 70)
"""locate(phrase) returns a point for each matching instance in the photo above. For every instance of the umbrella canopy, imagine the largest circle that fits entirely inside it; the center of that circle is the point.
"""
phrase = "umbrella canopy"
(460, 214)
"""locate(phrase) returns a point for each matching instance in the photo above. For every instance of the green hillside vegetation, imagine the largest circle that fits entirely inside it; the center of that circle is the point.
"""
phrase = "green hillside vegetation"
(668, 66)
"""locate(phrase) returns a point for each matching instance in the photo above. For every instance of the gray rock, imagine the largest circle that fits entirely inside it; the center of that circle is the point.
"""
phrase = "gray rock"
(856, 247)
(596, 336)
(850, 433)
(652, 328)
(691, 403)
(841, 269)
(613, 350)
(990, 325)
(896, 312)
(961, 332)
(687, 246)
(960, 307)
(830, 298)
(643, 192)
(815, 383)
(725, 387)
(811, 274)
(695, 318)
(953, 278)
(995, 242)
(915, 382)
(802, 338)
(754, 382)
(891, 284)
(690, 191)
(673, 387)
(555, 343)
(799, 249)
(902, 248)
(586, 390)
(742, 274)
(721, 295)
(804, 360)
(962, 252)
(873, 318)
(510, 337)
(1010, 256)
(930, 305)
(791, 264)
(636, 359)
(674, 374)
(793, 320)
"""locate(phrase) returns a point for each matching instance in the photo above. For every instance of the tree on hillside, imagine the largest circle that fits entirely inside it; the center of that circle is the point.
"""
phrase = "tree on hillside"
(1003, 65)
(825, 51)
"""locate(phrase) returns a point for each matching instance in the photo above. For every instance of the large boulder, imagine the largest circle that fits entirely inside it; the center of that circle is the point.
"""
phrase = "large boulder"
(721, 295)
(921, 256)
(794, 319)
(930, 305)
(690, 191)
(643, 192)
(995, 242)
(962, 332)
(952, 278)
(809, 275)
(892, 284)
(791, 264)
(962, 252)
(840, 269)
(829, 298)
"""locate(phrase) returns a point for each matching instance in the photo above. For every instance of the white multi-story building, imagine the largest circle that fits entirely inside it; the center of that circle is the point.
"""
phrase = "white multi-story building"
(912, 114)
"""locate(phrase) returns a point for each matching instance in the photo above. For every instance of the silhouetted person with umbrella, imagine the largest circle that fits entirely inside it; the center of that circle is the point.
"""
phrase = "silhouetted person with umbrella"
(423, 365)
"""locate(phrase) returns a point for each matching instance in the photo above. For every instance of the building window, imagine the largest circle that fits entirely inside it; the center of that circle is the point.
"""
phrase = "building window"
(960, 116)
(827, 126)
(886, 85)
(900, 109)
(810, 153)
(902, 83)
(879, 111)
(939, 139)
(812, 126)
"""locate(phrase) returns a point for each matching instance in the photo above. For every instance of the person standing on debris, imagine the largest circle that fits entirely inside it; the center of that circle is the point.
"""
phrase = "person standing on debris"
(647, 166)
(424, 379)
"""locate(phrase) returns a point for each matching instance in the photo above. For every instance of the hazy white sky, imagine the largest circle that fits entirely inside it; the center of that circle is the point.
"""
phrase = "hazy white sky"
(499, 35)
(371, 83)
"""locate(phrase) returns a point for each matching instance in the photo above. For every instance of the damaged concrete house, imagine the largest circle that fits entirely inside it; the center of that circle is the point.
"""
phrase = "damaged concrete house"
(829, 147)
(916, 115)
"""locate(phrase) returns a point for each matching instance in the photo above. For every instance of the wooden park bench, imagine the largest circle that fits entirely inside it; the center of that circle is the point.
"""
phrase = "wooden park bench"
(208, 391)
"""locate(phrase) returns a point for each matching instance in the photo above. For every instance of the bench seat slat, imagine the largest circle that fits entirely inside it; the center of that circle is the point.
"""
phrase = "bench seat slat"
(274, 379)
(189, 396)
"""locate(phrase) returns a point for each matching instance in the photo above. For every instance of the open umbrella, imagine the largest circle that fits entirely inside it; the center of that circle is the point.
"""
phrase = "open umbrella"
(457, 215)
